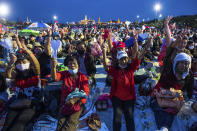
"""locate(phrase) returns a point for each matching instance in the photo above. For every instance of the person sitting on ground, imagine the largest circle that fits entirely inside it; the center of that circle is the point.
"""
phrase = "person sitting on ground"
(180, 78)
(26, 81)
(70, 110)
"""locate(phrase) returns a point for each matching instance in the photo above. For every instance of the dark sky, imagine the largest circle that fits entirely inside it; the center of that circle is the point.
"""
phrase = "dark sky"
(74, 10)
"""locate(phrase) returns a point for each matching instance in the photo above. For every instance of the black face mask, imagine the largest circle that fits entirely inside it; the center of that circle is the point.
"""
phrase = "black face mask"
(81, 52)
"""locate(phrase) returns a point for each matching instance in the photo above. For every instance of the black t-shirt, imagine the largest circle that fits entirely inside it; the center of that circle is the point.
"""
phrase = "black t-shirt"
(44, 61)
(1, 52)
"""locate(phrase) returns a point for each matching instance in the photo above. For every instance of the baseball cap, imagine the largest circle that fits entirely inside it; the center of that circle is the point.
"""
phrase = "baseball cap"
(120, 45)
(121, 54)
(30, 46)
(37, 44)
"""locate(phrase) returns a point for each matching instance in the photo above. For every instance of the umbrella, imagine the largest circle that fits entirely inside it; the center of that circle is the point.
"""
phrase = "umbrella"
(27, 32)
(38, 25)
(141, 37)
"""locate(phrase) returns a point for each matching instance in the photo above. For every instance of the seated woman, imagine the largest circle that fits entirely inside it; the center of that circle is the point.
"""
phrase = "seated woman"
(26, 79)
(71, 107)
(178, 79)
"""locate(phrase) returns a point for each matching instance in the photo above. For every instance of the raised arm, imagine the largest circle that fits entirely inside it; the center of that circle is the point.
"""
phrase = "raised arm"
(9, 70)
(53, 69)
(168, 32)
(144, 50)
(105, 58)
(110, 40)
(135, 47)
(32, 58)
(48, 45)
(18, 41)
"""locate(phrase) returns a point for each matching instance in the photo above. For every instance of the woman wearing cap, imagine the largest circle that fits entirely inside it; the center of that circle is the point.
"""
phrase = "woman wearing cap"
(70, 110)
(179, 79)
(123, 88)
(26, 79)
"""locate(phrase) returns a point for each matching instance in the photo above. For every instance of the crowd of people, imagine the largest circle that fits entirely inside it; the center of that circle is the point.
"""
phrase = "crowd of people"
(120, 48)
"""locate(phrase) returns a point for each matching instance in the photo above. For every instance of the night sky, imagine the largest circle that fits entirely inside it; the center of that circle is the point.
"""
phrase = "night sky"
(75, 10)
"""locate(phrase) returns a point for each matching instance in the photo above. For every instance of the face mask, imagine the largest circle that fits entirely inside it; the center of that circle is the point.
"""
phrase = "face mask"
(140, 47)
(191, 47)
(73, 72)
(23, 67)
(122, 67)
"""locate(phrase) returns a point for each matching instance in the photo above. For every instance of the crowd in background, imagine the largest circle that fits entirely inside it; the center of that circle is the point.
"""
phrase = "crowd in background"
(120, 48)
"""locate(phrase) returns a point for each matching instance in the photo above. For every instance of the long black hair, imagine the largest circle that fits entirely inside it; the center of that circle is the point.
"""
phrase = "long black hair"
(3, 85)
(23, 74)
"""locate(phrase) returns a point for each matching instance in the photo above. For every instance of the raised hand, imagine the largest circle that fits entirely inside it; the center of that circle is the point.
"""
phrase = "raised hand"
(16, 34)
(100, 39)
(110, 35)
(150, 42)
(135, 36)
(24, 47)
(13, 58)
(104, 47)
(168, 20)
(49, 32)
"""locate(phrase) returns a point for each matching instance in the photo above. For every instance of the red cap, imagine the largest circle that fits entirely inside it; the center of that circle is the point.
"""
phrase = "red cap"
(120, 45)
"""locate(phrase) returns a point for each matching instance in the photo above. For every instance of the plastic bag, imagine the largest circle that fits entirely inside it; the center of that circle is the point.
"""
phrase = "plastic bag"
(45, 123)
(186, 109)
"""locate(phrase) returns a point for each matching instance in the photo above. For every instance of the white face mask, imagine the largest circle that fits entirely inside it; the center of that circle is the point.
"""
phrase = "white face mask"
(23, 67)
(73, 72)
(191, 47)
(122, 67)
(140, 47)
